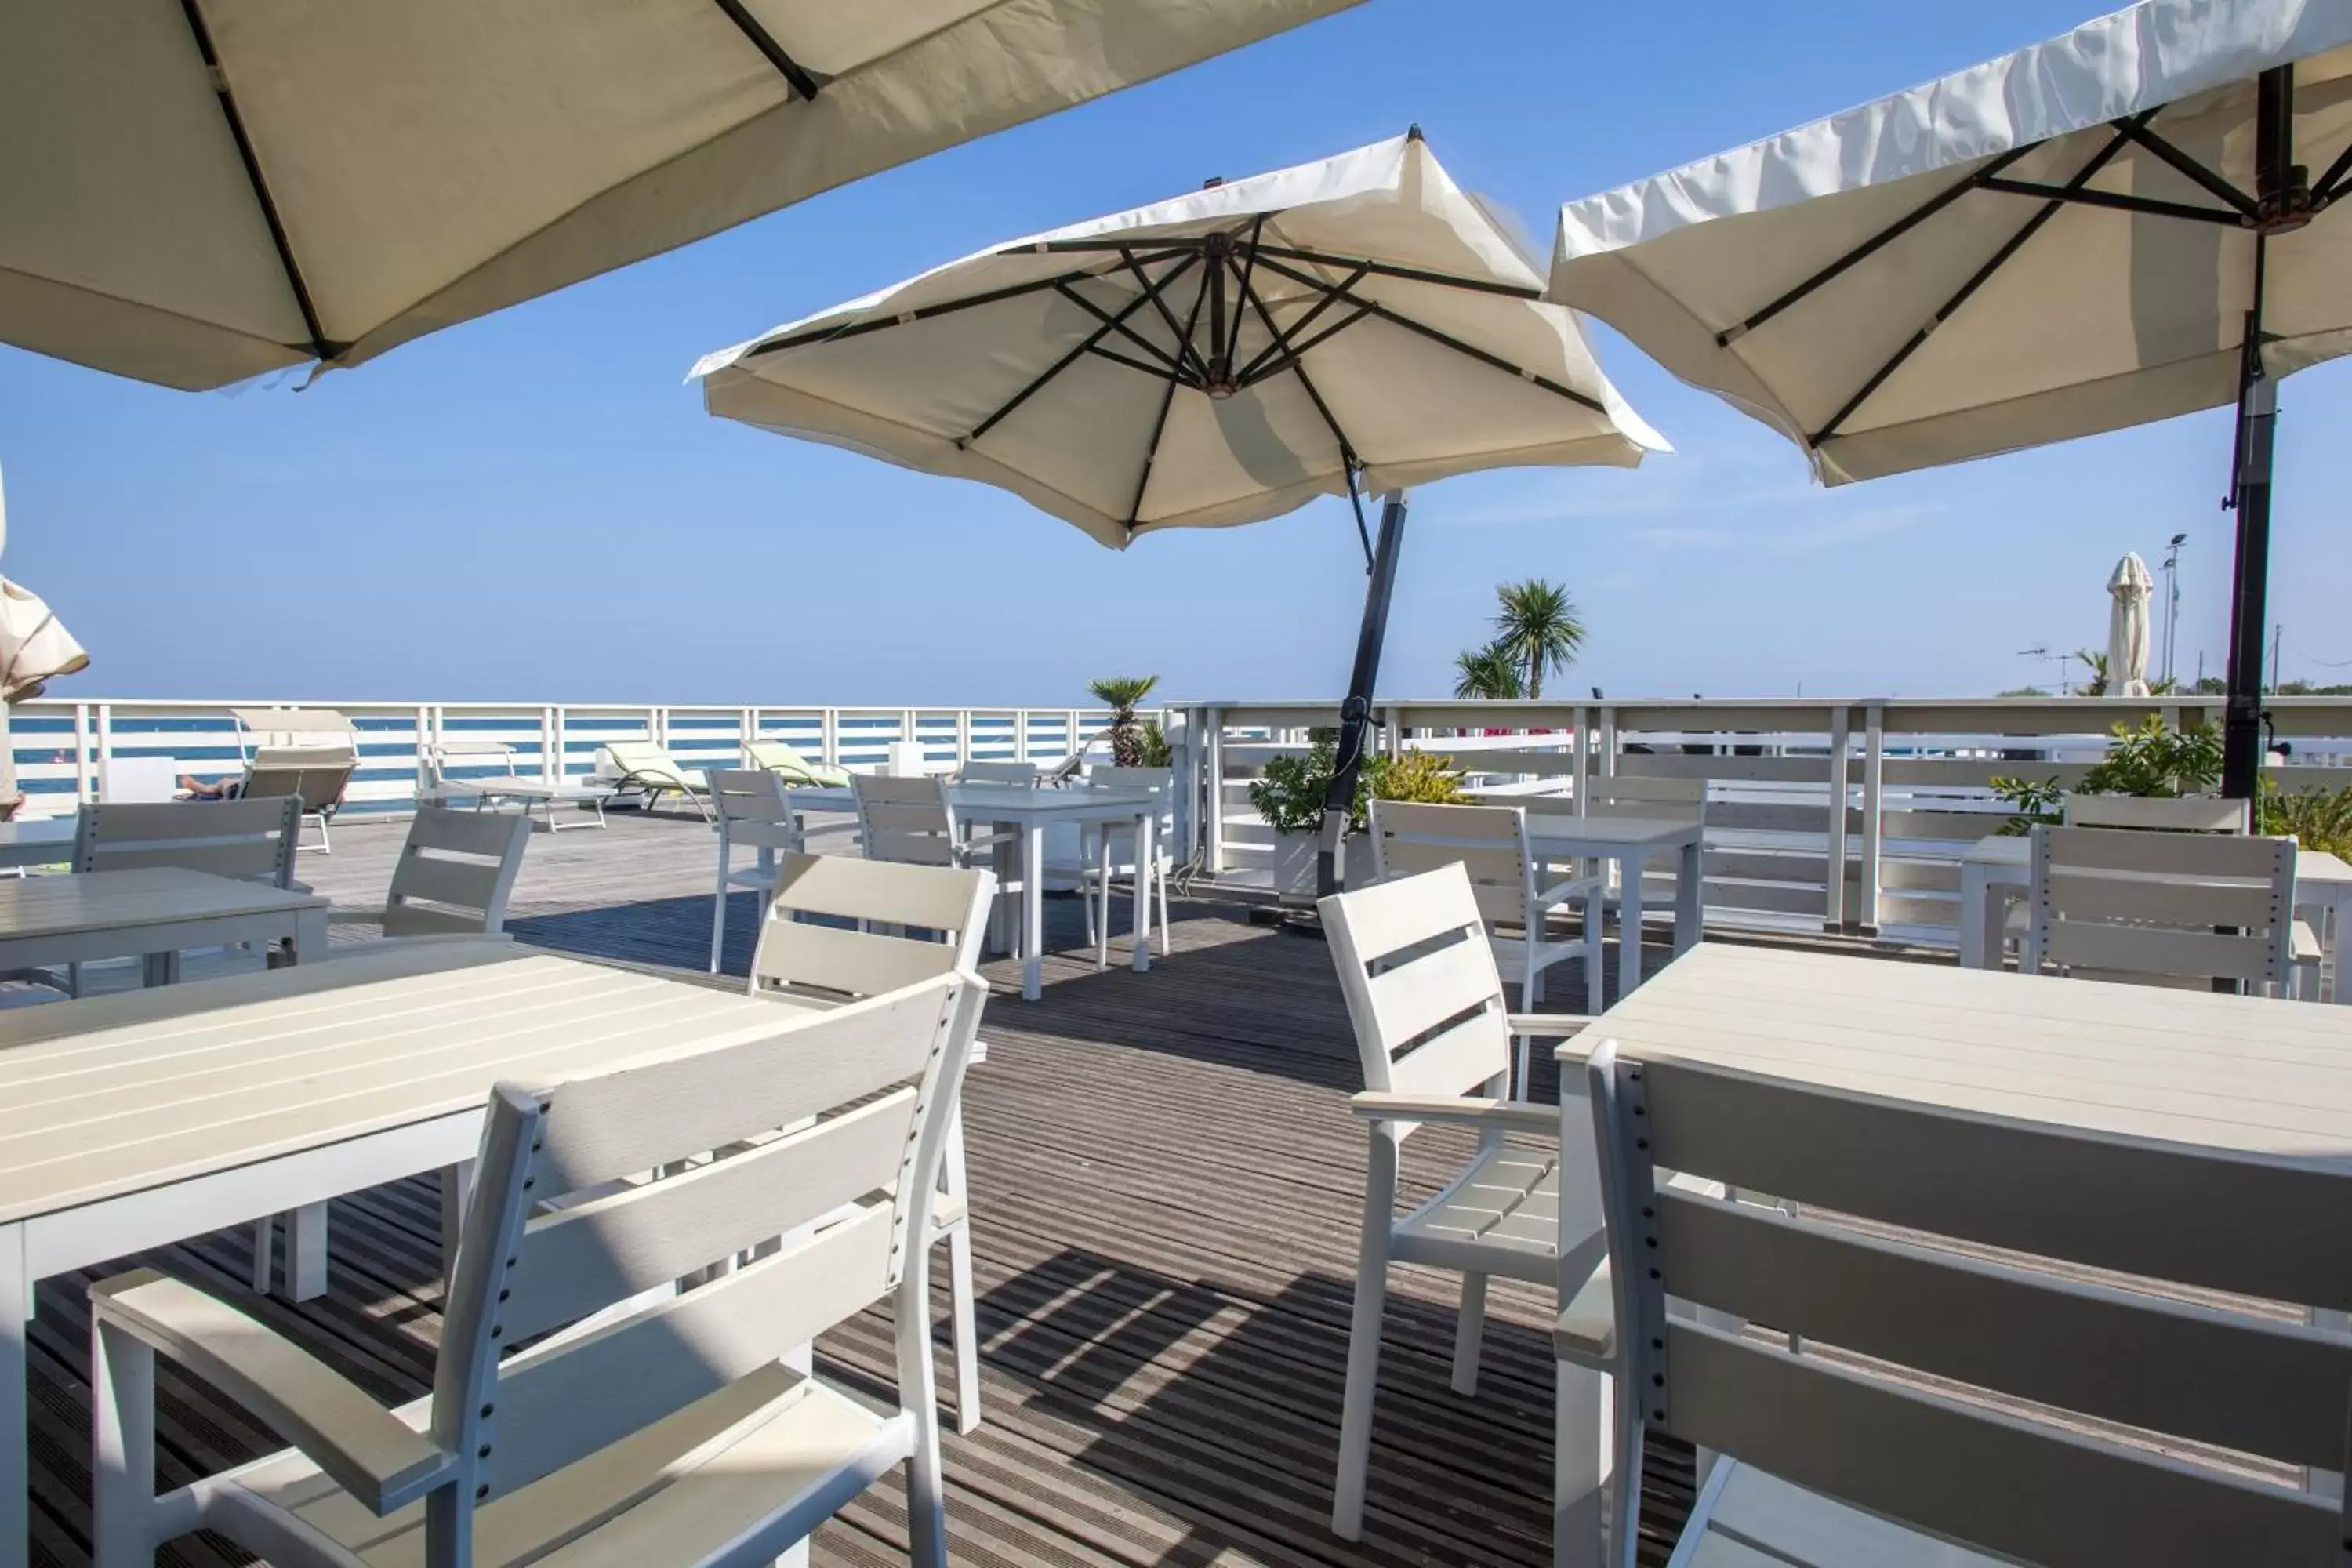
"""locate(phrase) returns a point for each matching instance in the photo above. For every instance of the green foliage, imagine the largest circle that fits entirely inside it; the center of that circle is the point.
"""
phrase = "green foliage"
(1488, 672)
(1289, 797)
(1120, 694)
(1536, 628)
(1151, 742)
(2316, 818)
(2150, 760)
(2095, 683)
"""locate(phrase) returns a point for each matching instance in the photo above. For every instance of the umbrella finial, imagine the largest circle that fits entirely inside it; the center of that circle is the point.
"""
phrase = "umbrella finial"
(1213, 182)
(1413, 131)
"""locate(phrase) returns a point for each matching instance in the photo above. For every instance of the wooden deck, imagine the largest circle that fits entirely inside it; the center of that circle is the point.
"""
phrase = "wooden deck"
(1165, 1190)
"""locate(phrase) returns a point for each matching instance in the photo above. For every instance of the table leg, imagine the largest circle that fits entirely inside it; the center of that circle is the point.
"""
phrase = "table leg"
(306, 1252)
(1629, 871)
(1976, 940)
(1004, 921)
(2331, 942)
(310, 935)
(1690, 897)
(1145, 850)
(16, 1476)
(1033, 909)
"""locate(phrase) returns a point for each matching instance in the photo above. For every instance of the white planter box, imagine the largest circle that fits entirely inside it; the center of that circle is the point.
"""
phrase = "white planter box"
(1294, 864)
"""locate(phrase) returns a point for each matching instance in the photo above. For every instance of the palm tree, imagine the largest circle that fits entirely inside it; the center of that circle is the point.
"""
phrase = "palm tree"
(1538, 629)
(1489, 672)
(2095, 683)
(1120, 694)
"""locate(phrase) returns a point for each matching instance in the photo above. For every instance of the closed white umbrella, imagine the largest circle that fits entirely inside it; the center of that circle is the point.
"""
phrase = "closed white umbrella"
(1356, 324)
(2112, 227)
(194, 192)
(2128, 593)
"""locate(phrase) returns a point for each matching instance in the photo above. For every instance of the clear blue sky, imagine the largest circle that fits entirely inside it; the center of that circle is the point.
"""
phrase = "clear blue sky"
(534, 506)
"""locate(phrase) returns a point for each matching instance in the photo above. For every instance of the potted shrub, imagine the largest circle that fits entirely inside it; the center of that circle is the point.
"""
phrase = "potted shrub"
(1289, 800)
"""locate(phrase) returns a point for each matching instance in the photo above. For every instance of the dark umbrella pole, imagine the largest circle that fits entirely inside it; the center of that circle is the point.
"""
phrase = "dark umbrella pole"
(1356, 713)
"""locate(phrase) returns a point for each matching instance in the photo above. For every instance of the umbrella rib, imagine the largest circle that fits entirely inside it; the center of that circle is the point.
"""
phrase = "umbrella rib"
(1374, 307)
(926, 313)
(1065, 361)
(1298, 368)
(2330, 185)
(1874, 244)
(2136, 129)
(1182, 335)
(1281, 342)
(794, 74)
(1129, 333)
(1249, 266)
(2015, 242)
(1291, 357)
(1167, 401)
(1154, 370)
(319, 346)
(2118, 201)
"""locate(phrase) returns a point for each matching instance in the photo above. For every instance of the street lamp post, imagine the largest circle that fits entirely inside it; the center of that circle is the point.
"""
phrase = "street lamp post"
(2171, 596)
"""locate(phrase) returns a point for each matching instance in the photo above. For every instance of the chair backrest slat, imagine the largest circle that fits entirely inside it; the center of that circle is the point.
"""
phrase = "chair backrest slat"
(1412, 953)
(998, 772)
(2042, 1493)
(753, 811)
(2188, 905)
(2188, 813)
(455, 873)
(796, 952)
(250, 839)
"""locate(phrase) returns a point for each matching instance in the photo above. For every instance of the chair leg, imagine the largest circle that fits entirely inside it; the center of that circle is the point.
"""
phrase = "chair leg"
(927, 1522)
(1470, 1328)
(1583, 1441)
(1160, 875)
(265, 1236)
(1364, 1340)
(718, 924)
(122, 1482)
(962, 1323)
(1596, 910)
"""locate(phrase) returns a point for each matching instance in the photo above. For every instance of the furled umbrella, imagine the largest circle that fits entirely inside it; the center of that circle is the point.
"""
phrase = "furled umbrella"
(2128, 593)
(2124, 224)
(1355, 325)
(196, 192)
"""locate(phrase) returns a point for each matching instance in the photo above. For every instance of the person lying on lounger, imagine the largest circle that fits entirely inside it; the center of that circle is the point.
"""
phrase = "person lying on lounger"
(219, 789)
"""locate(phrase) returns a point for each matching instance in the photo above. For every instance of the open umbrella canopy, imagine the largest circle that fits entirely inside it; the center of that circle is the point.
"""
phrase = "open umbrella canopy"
(1216, 359)
(193, 194)
(2054, 243)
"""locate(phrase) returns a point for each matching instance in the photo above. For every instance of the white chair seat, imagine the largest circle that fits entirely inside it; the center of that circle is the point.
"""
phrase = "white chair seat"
(773, 1441)
(1760, 1520)
(1500, 1215)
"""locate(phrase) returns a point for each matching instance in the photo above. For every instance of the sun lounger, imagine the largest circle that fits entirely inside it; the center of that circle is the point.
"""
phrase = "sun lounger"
(786, 762)
(642, 768)
(489, 789)
(309, 753)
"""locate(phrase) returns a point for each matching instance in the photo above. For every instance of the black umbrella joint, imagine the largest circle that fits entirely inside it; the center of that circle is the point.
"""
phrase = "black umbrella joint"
(2284, 200)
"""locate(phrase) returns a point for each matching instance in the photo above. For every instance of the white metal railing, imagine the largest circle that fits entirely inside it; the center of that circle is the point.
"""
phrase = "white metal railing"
(1913, 775)
(63, 748)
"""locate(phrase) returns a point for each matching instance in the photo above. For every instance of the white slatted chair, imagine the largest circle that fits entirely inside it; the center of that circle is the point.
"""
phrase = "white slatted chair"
(2182, 908)
(1828, 1467)
(253, 840)
(1435, 1032)
(686, 1427)
(453, 880)
(1490, 843)
(753, 813)
(912, 820)
(1101, 864)
(804, 960)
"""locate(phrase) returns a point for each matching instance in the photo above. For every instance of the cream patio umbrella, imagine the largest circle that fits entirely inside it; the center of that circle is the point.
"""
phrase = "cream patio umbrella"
(194, 192)
(2120, 225)
(1357, 324)
(2128, 593)
(35, 647)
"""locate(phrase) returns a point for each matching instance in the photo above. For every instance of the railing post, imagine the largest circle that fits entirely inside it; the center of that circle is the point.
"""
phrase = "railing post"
(1840, 738)
(1608, 747)
(105, 746)
(828, 722)
(1578, 765)
(963, 736)
(82, 786)
(1075, 744)
(750, 732)
(1021, 734)
(1873, 807)
(1212, 764)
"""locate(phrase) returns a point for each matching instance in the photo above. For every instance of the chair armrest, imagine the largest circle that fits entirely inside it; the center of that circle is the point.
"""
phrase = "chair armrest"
(1507, 1115)
(1586, 1330)
(1573, 889)
(373, 1454)
(1550, 1025)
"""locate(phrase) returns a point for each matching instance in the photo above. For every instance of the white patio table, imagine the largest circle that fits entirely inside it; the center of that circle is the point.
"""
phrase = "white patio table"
(36, 841)
(153, 912)
(1632, 842)
(1996, 869)
(142, 1118)
(2248, 1074)
(1031, 809)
